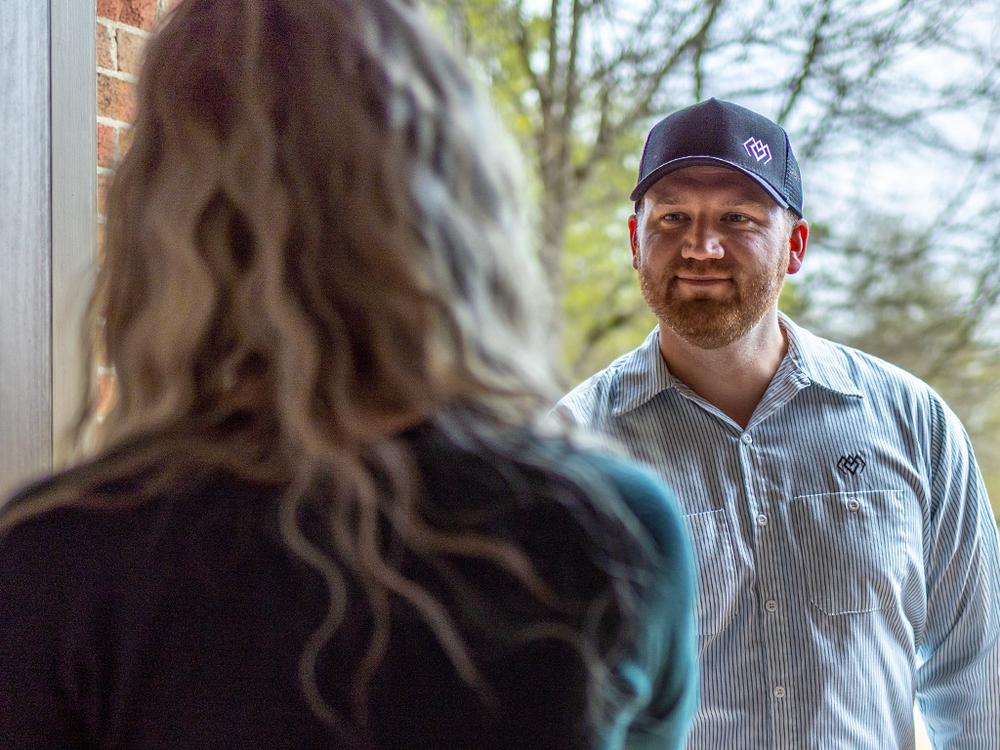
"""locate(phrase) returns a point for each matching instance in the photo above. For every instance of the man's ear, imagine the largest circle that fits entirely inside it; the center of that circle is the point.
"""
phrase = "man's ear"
(633, 239)
(798, 239)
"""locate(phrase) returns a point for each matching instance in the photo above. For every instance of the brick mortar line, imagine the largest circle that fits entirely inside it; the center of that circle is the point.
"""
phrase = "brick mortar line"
(124, 27)
(113, 123)
(127, 77)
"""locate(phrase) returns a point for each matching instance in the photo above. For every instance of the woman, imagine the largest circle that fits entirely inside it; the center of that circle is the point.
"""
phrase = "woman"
(322, 511)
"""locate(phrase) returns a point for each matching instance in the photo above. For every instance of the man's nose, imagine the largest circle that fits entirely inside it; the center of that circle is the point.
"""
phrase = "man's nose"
(702, 242)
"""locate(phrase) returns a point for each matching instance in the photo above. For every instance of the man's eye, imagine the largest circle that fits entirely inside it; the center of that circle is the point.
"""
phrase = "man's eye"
(736, 218)
(673, 217)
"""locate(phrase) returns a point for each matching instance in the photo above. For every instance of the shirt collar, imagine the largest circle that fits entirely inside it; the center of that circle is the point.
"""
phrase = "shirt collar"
(643, 373)
(818, 360)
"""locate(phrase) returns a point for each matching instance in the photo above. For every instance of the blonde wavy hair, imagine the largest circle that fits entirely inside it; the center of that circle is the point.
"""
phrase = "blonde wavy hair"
(314, 243)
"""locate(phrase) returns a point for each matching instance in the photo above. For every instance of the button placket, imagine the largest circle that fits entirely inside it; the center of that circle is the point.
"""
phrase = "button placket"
(761, 518)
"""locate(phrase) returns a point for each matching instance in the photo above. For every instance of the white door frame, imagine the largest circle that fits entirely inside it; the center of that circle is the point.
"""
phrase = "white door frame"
(47, 214)
(74, 202)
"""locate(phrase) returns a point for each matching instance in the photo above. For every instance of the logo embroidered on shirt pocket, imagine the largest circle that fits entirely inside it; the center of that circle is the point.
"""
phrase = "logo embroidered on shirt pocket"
(716, 569)
(852, 547)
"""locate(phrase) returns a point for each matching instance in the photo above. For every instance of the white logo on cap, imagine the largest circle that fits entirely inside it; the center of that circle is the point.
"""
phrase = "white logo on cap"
(757, 149)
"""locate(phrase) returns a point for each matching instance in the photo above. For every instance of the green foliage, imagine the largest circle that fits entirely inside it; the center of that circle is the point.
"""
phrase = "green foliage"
(792, 302)
(604, 312)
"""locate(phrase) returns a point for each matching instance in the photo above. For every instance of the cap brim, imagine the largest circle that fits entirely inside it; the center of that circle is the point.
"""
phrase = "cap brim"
(693, 161)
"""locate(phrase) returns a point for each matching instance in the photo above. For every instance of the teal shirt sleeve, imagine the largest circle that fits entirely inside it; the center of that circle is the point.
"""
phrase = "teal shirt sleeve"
(663, 668)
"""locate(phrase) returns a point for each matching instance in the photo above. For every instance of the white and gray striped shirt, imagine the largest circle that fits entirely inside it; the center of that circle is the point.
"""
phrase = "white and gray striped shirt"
(848, 559)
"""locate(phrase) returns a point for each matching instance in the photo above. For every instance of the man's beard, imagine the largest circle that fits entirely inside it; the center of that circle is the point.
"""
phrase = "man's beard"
(711, 322)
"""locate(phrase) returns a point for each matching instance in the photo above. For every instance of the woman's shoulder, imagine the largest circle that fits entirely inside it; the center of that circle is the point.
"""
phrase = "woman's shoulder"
(644, 494)
(107, 479)
(64, 538)
(60, 506)
(544, 476)
(96, 513)
(601, 472)
(60, 552)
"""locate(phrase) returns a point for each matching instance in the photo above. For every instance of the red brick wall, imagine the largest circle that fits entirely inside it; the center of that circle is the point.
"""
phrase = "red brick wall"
(122, 28)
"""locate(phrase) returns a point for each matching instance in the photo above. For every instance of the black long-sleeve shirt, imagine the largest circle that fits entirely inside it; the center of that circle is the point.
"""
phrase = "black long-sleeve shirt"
(178, 622)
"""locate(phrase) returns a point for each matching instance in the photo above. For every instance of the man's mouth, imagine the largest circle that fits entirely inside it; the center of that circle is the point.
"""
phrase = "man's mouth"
(702, 280)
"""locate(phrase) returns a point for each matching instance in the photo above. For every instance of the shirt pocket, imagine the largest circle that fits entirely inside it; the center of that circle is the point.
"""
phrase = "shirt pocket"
(716, 569)
(852, 547)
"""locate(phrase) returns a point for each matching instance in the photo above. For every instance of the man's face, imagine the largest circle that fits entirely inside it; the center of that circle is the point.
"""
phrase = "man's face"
(712, 250)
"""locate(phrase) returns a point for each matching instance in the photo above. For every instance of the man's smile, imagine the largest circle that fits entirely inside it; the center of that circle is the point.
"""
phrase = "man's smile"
(702, 281)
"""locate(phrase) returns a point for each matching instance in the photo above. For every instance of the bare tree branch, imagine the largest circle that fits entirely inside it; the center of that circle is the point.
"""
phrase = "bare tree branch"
(809, 60)
(523, 39)
(553, 56)
(600, 148)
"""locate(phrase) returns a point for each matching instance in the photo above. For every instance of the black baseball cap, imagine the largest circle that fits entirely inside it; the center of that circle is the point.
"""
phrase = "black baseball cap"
(714, 132)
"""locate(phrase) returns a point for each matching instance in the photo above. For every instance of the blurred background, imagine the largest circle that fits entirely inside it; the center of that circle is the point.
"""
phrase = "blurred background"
(892, 109)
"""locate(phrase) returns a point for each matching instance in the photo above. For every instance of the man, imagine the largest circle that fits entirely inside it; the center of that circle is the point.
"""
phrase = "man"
(847, 551)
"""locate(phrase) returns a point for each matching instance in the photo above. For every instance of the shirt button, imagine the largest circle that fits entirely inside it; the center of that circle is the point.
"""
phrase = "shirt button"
(779, 692)
(746, 439)
(853, 505)
(762, 520)
(771, 606)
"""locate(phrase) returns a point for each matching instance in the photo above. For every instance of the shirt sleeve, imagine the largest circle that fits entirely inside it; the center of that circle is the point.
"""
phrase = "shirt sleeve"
(34, 591)
(959, 673)
(665, 666)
